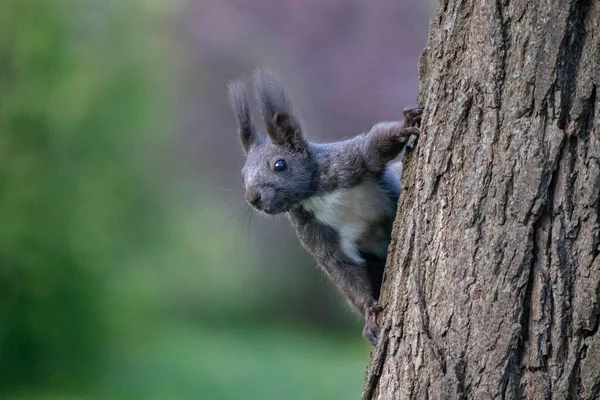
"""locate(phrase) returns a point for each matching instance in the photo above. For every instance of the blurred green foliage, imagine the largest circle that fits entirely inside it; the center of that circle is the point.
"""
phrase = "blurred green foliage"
(114, 282)
(77, 119)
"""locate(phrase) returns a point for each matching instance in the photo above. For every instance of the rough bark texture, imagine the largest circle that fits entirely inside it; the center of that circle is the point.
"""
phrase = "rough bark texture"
(492, 287)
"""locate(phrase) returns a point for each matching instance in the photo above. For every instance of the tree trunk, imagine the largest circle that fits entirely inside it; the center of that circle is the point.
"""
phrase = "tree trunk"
(492, 286)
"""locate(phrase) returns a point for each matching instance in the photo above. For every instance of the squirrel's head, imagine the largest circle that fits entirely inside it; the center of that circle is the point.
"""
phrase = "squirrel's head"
(279, 171)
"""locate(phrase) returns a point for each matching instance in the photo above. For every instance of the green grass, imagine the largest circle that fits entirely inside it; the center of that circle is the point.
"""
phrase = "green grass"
(228, 364)
(184, 362)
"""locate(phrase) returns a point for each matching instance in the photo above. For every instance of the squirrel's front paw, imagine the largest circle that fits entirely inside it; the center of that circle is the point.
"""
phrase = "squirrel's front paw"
(371, 330)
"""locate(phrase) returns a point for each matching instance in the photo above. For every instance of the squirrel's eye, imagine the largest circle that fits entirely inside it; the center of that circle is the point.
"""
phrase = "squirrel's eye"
(280, 166)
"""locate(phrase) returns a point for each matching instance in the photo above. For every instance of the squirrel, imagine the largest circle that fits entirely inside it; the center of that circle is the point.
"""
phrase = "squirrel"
(340, 197)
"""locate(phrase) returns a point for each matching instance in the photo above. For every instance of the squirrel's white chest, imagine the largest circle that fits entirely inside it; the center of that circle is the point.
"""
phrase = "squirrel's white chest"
(354, 213)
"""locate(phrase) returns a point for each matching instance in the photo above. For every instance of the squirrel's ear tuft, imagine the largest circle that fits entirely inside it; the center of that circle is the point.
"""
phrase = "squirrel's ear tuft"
(239, 102)
(283, 126)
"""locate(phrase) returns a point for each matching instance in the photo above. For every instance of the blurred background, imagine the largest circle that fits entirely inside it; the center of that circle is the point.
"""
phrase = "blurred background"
(130, 266)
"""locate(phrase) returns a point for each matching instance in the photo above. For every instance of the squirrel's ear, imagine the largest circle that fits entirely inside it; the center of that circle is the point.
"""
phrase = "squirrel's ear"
(239, 102)
(287, 132)
(283, 127)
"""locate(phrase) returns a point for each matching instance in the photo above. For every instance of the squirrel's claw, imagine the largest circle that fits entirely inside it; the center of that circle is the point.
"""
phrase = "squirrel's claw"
(412, 122)
(412, 116)
(406, 133)
(371, 330)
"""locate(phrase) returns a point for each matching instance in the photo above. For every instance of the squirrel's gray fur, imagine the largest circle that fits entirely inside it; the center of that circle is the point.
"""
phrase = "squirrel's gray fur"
(340, 197)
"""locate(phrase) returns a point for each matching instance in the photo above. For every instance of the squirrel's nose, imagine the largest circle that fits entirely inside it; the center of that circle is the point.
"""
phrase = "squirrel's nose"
(253, 197)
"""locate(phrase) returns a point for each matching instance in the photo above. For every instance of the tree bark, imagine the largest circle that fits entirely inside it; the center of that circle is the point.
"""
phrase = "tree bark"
(492, 286)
